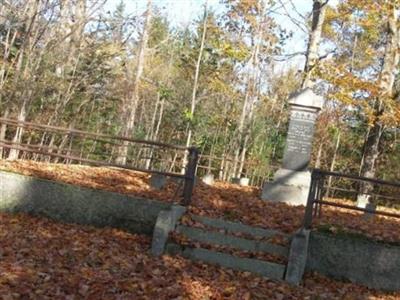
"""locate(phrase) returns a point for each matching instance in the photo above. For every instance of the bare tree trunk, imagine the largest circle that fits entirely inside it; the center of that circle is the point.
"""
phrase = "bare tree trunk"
(363, 154)
(27, 64)
(150, 132)
(128, 119)
(14, 153)
(243, 155)
(197, 72)
(160, 116)
(223, 165)
(319, 156)
(157, 130)
(3, 130)
(251, 96)
(240, 130)
(318, 17)
(211, 154)
(333, 163)
(154, 132)
(196, 83)
(278, 125)
(386, 83)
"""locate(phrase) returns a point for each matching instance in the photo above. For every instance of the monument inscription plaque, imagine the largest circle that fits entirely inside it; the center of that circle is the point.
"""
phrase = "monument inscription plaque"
(299, 140)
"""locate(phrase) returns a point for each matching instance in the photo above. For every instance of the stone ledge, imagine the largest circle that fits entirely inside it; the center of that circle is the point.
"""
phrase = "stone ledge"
(365, 262)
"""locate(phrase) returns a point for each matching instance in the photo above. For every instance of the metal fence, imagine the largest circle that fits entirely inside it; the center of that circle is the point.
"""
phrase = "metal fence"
(321, 184)
(40, 142)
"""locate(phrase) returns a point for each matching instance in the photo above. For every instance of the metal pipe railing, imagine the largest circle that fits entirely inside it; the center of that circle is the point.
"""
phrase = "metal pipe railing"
(315, 195)
(86, 134)
(59, 152)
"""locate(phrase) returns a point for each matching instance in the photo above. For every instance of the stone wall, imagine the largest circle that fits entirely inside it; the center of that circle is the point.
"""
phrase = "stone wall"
(69, 203)
(359, 260)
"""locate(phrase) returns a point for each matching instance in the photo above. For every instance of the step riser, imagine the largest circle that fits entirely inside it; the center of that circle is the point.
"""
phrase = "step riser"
(232, 227)
(263, 268)
(226, 238)
(216, 238)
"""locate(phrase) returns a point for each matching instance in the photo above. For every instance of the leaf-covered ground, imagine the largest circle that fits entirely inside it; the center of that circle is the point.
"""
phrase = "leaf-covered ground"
(43, 259)
(224, 200)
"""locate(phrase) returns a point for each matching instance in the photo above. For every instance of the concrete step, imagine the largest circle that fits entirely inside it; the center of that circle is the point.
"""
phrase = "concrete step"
(233, 227)
(263, 268)
(217, 238)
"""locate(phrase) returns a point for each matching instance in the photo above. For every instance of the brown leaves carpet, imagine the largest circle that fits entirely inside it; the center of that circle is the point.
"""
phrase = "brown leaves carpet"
(43, 259)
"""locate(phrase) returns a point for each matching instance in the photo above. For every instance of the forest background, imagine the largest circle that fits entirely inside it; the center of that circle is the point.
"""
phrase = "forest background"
(220, 80)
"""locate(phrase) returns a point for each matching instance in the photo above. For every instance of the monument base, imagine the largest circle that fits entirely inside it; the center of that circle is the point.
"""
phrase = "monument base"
(289, 186)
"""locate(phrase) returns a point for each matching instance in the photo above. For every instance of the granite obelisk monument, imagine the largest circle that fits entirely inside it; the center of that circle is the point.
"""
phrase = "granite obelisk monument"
(292, 181)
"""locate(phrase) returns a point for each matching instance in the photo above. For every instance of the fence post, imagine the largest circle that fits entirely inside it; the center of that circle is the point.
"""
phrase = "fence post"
(311, 197)
(319, 195)
(190, 175)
